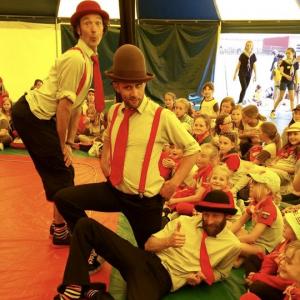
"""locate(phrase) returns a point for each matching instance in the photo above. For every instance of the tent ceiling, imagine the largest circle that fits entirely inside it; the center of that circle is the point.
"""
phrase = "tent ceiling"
(160, 9)
(29, 8)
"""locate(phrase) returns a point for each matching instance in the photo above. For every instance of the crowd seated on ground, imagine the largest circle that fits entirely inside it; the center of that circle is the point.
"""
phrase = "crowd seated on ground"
(241, 153)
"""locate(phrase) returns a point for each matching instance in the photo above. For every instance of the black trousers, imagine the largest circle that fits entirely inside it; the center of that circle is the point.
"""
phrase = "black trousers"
(143, 214)
(146, 277)
(244, 81)
(42, 142)
(265, 291)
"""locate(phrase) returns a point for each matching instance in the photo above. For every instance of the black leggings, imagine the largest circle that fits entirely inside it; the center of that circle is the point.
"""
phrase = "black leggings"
(244, 81)
(143, 272)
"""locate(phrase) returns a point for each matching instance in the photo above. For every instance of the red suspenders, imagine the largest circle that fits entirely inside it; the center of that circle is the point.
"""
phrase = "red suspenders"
(83, 78)
(148, 152)
(149, 147)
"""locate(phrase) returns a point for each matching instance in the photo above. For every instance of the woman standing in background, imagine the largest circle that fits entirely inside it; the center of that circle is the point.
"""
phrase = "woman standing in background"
(244, 68)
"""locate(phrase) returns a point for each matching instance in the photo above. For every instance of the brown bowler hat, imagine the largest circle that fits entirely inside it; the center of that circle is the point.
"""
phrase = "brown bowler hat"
(129, 65)
(88, 7)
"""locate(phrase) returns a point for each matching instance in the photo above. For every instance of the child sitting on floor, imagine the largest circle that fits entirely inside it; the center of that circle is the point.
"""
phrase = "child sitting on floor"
(201, 129)
(271, 144)
(223, 124)
(236, 117)
(227, 105)
(252, 121)
(209, 105)
(285, 161)
(289, 270)
(228, 150)
(266, 218)
(263, 277)
(182, 107)
(206, 160)
(169, 100)
(219, 180)
(165, 171)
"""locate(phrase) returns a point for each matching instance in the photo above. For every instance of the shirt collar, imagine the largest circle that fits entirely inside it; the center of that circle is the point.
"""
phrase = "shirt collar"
(85, 48)
(142, 106)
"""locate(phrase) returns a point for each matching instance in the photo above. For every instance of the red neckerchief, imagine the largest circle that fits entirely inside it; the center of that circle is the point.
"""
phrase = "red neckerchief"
(286, 151)
(203, 173)
(229, 154)
(200, 137)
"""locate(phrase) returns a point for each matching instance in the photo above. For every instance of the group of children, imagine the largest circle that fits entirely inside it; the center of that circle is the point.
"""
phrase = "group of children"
(245, 156)
(8, 134)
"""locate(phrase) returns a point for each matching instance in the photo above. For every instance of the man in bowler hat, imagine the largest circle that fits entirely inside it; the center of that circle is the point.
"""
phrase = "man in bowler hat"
(134, 185)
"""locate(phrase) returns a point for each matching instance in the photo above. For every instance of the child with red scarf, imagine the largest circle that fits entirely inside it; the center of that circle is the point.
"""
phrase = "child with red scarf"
(228, 150)
(201, 129)
(184, 203)
(266, 218)
(287, 157)
(267, 282)
(288, 288)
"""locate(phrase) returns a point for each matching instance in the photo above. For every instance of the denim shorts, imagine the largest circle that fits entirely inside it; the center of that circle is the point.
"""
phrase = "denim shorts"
(290, 85)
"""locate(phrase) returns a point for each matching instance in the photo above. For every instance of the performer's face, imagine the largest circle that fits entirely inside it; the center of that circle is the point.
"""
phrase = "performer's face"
(132, 94)
(90, 30)
(213, 222)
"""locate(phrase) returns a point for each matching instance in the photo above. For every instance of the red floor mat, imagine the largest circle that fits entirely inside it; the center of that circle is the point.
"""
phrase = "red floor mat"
(30, 268)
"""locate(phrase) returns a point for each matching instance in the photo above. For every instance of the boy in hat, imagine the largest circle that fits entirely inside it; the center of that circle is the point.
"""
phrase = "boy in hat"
(47, 118)
(136, 132)
(172, 257)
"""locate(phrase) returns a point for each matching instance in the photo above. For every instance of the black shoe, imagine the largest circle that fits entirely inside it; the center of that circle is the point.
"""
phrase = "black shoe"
(97, 291)
(51, 229)
(94, 262)
(62, 238)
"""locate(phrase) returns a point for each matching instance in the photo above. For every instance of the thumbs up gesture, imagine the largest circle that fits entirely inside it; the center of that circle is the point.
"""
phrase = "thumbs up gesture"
(177, 238)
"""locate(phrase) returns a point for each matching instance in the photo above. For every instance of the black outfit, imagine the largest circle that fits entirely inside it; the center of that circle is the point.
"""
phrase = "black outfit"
(245, 72)
(146, 277)
(144, 214)
(284, 82)
(42, 142)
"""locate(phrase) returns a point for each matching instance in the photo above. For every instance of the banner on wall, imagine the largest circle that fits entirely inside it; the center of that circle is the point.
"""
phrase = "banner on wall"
(182, 56)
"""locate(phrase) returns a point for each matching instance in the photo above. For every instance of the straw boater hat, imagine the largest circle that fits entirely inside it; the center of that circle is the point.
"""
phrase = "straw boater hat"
(129, 65)
(88, 7)
(217, 201)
